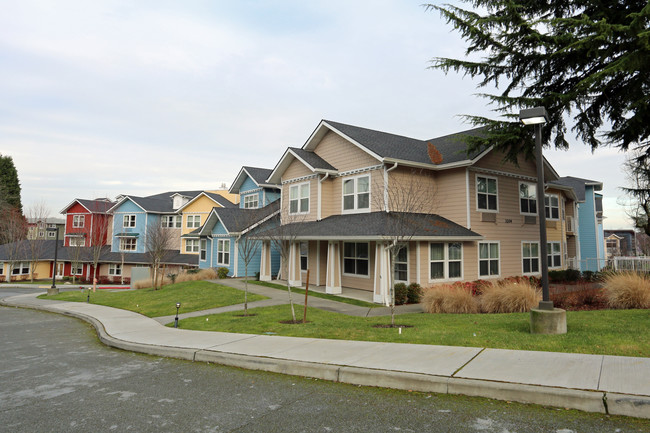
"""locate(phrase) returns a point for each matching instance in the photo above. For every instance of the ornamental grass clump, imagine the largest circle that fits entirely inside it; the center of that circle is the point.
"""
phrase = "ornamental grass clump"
(446, 298)
(510, 297)
(625, 290)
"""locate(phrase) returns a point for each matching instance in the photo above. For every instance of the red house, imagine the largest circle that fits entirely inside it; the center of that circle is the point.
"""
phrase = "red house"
(87, 222)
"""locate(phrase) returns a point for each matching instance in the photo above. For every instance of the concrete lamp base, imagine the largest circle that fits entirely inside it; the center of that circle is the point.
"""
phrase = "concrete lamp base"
(548, 321)
(52, 291)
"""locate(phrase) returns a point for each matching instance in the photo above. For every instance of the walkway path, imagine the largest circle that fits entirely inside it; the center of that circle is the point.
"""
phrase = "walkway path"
(595, 383)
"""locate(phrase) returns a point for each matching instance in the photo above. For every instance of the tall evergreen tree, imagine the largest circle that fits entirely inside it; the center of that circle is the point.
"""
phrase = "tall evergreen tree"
(9, 183)
(587, 61)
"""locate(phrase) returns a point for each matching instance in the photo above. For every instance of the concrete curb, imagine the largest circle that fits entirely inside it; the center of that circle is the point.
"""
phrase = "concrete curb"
(585, 400)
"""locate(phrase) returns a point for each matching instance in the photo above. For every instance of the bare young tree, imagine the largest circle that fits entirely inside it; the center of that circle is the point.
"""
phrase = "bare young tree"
(13, 230)
(158, 243)
(98, 233)
(36, 214)
(408, 195)
(77, 254)
(637, 168)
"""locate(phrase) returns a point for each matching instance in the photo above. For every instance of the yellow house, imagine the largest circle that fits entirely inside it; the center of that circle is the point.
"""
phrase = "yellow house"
(193, 215)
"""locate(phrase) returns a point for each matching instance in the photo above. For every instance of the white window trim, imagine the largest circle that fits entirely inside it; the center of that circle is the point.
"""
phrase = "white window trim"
(115, 269)
(559, 207)
(476, 193)
(539, 260)
(446, 262)
(73, 271)
(355, 194)
(223, 251)
(193, 218)
(299, 186)
(74, 239)
(406, 248)
(203, 249)
(306, 255)
(123, 243)
(519, 198)
(251, 198)
(343, 257)
(190, 244)
(478, 262)
(78, 221)
(126, 220)
(549, 252)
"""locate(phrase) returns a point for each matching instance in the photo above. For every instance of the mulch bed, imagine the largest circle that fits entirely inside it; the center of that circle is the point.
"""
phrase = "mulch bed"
(392, 326)
(584, 299)
(291, 322)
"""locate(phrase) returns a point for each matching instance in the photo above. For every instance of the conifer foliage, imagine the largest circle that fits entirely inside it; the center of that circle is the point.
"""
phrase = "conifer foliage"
(587, 62)
(9, 184)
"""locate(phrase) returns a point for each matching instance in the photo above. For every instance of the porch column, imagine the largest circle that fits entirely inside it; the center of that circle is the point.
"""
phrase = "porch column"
(380, 293)
(265, 262)
(294, 265)
(333, 274)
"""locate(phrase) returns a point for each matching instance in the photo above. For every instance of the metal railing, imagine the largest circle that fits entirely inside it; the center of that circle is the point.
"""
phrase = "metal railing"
(638, 264)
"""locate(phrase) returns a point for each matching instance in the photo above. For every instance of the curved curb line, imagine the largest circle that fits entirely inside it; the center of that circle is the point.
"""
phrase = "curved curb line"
(588, 401)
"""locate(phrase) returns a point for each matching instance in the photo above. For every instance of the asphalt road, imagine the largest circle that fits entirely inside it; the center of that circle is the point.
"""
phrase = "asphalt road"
(55, 376)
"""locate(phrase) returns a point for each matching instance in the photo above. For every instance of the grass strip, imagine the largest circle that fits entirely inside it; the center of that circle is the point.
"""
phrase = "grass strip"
(193, 296)
(318, 294)
(602, 332)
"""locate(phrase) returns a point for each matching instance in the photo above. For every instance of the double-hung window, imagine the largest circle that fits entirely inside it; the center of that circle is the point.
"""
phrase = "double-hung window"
(223, 252)
(488, 259)
(128, 244)
(552, 206)
(251, 201)
(78, 221)
(486, 194)
(401, 265)
(129, 221)
(528, 198)
(204, 249)
(554, 254)
(530, 257)
(191, 245)
(76, 269)
(21, 268)
(356, 194)
(355, 258)
(299, 198)
(193, 221)
(446, 260)
(170, 221)
(115, 269)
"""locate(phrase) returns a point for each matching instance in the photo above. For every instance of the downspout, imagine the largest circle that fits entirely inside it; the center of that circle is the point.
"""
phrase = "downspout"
(386, 170)
(320, 195)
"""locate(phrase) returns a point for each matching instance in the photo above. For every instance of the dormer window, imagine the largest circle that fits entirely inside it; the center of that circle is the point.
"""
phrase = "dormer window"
(251, 201)
(179, 201)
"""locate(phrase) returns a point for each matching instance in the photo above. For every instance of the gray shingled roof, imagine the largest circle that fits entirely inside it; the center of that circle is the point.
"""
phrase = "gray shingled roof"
(312, 159)
(220, 199)
(451, 147)
(578, 185)
(168, 195)
(65, 254)
(259, 175)
(376, 225)
(96, 206)
(236, 220)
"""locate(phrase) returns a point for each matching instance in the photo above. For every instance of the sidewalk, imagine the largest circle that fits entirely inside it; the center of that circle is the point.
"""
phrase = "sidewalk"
(608, 384)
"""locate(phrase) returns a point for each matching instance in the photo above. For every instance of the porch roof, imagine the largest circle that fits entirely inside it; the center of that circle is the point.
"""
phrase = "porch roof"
(375, 226)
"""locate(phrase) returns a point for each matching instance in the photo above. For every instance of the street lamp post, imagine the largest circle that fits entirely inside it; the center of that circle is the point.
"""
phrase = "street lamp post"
(178, 305)
(537, 116)
(53, 290)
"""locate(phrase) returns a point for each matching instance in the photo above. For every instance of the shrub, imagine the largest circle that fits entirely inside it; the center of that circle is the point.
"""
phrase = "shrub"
(555, 276)
(445, 298)
(627, 290)
(511, 295)
(414, 293)
(222, 272)
(195, 275)
(401, 294)
(588, 275)
(572, 275)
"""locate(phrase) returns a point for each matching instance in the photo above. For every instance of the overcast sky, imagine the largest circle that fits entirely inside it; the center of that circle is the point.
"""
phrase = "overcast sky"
(100, 98)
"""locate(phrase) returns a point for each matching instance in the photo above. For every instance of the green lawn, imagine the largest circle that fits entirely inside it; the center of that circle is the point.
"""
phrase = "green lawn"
(609, 332)
(193, 296)
(296, 290)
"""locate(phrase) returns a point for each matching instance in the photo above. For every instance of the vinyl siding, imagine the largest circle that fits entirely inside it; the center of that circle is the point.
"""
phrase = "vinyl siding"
(342, 154)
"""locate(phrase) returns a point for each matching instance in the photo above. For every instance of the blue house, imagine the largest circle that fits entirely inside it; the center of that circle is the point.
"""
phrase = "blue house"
(590, 254)
(253, 189)
(225, 239)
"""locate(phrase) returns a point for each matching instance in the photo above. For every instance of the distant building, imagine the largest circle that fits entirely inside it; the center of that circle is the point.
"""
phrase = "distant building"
(38, 228)
(620, 243)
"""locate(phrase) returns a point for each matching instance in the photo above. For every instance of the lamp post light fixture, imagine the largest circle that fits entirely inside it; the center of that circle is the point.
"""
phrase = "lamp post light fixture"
(53, 290)
(178, 306)
(537, 117)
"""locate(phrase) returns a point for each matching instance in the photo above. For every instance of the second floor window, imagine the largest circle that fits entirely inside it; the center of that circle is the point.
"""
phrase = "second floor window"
(170, 221)
(77, 242)
(192, 246)
(299, 198)
(128, 244)
(486, 194)
(552, 206)
(356, 193)
(251, 201)
(528, 198)
(78, 221)
(129, 221)
(193, 221)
